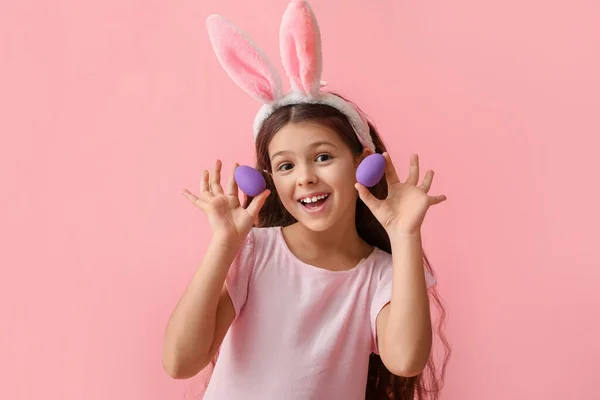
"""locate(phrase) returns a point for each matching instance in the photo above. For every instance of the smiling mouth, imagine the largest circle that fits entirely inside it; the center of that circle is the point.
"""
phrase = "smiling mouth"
(314, 202)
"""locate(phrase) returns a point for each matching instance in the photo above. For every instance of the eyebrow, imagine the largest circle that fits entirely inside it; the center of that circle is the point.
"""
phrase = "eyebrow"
(313, 145)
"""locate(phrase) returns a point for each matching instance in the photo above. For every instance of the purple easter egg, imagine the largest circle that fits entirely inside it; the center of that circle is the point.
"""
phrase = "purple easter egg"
(249, 180)
(371, 170)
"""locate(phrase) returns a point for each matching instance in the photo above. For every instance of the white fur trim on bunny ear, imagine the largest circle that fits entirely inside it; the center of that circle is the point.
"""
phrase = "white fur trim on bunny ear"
(300, 46)
(243, 61)
(356, 119)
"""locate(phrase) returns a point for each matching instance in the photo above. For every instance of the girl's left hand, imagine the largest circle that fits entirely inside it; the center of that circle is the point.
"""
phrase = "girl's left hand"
(404, 209)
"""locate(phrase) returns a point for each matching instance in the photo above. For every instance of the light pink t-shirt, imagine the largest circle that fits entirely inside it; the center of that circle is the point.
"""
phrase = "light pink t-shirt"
(300, 332)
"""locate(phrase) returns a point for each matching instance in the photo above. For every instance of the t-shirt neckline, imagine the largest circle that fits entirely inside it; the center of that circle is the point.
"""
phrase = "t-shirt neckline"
(287, 249)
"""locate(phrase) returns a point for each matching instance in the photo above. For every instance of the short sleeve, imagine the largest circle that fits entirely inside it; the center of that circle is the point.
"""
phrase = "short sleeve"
(240, 271)
(383, 295)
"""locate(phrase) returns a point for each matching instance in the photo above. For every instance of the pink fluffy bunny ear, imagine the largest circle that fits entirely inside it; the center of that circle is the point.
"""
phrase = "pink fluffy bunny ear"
(300, 43)
(243, 61)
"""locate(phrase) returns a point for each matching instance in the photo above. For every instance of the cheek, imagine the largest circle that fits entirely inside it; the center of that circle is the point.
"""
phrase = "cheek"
(342, 176)
(342, 180)
(283, 187)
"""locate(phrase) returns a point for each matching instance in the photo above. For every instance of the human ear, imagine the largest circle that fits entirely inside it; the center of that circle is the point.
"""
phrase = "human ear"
(365, 153)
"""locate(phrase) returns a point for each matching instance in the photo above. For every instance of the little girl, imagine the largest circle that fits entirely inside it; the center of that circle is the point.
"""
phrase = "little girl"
(317, 288)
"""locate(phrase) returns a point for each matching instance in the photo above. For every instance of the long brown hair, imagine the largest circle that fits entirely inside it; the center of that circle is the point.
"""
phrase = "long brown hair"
(381, 383)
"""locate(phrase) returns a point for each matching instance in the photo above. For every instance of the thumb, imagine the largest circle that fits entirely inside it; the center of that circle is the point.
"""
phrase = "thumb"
(257, 203)
(366, 196)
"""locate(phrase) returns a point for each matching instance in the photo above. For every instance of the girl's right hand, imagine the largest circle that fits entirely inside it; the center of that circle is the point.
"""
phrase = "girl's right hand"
(229, 221)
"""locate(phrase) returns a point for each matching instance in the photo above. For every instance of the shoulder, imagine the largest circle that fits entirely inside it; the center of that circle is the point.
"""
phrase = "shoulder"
(382, 266)
(382, 263)
(265, 235)
(266, 240)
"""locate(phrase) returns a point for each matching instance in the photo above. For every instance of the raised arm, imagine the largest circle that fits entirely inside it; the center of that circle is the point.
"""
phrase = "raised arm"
(205, 311)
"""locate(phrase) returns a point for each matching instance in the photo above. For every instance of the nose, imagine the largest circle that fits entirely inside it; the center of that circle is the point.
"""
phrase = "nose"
(306, 176)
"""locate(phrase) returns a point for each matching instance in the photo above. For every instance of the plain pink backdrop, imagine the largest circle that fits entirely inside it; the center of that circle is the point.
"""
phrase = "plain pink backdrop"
(109, 108)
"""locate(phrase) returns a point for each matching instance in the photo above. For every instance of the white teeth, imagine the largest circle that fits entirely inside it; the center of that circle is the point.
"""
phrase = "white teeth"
(313, 199)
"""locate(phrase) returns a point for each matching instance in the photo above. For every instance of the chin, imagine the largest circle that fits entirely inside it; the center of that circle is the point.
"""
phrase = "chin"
(320, 225)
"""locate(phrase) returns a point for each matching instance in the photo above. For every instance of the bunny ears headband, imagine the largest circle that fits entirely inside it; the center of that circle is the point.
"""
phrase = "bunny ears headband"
(300, 46)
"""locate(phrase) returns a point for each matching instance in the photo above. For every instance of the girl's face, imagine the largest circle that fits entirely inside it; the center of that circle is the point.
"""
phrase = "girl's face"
(314, 174)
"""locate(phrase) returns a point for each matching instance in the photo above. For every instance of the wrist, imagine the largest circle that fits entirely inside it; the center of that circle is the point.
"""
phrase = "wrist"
(403, 234)
(225, 243)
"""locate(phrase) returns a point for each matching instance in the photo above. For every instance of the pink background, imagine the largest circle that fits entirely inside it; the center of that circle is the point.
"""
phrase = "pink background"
(110, 108)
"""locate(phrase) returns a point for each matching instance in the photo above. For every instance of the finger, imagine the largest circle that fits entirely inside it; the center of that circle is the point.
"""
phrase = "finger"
(204, 185)
(257, 203)
(433, 200)
(390, 171)
(233, 195)
(195, 200)
(426, 184)
(232, 188)
(366, 196)
(215, 181)
(413, 171)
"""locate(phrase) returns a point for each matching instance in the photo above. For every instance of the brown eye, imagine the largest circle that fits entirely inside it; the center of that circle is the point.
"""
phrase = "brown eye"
(285, 167)
(323, 157)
